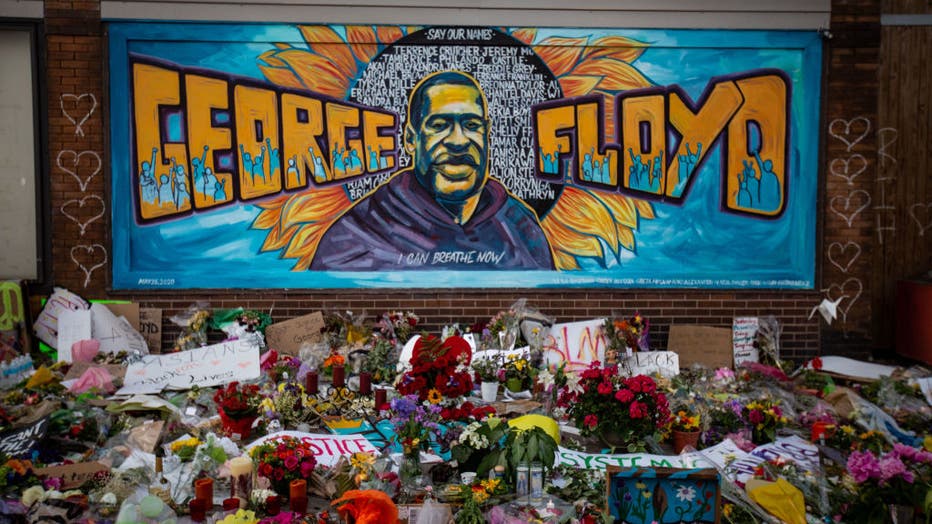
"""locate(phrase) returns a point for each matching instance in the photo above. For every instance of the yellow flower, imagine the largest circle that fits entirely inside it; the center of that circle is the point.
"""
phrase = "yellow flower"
(362, 460)
(646, 494)
(727, 509)
(240, 517)
(434, 396)
(519, 364)
(188, 442)
(640, 485)
(491, 485)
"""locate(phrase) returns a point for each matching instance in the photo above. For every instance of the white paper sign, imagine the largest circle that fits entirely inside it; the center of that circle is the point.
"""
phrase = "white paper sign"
(46, 325)
(744, 333)
(116, 333)
(327, 448)
(576, 343)
(73, 326)
(666, 363)
(236, 360)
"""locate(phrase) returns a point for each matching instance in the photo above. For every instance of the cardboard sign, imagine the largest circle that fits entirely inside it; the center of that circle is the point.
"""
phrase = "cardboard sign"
(664, 363)
(576, 343)
(46, 325)
(288, 336)
(203, 367)
(150, 325)
(19, 442)
(744, 333)
(115, 333)
(327, 448)
(705, 345)
(130, 311)
(73, 475)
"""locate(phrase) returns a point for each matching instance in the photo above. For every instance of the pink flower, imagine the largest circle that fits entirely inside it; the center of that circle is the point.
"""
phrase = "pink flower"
(755, 416)
(306, 468)
(892, 467)
(291, 462)
(863, 465)
(624, 395)
(637, 410)
(591, 421)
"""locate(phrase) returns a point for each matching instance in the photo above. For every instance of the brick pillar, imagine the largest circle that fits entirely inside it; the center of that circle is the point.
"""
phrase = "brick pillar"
(850, 161)
(79, 210)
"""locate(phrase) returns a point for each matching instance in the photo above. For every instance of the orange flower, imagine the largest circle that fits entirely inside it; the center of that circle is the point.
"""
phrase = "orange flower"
(19, 466)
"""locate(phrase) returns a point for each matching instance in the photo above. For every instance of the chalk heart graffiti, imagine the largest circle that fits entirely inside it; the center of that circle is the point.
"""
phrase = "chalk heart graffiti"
(922, 215)
(843, 259)
(851, 132)
(89, 259)
(848, 207)
(92, 202)
(77, 109)
(70, 162)
(848, 168)
(849, 290)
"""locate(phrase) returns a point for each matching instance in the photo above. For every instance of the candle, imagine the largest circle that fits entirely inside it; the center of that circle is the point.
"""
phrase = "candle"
(198, 508)
(204, 490)
(365, 383)
(380, 398)
(273, 505)
(230, 504)
(310, 383)
(298, 505)
(297, 489)
(339, 376)
(241, 471)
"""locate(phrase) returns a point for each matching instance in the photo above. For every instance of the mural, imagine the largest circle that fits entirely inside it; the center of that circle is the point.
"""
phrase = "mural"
(383, 156)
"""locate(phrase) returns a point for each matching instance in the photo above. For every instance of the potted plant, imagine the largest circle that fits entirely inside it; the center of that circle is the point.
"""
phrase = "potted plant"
(238, 407)
(517, 373)
(685, 428)
(486, 370)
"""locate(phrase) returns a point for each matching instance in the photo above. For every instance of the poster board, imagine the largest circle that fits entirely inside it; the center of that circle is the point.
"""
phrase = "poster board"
(705, 345)
(150, 325)
(287, 337)
(744, 334)
(235, 360)
(663, 495)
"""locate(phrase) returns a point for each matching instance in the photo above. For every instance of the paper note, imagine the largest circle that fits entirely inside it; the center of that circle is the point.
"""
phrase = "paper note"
(115, 333)
(73, 326)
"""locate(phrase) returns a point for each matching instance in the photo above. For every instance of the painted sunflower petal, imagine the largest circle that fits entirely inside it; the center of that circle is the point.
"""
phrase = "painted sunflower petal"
(315, 73)
(575, 85)
(583, 212)
(388, 34)
(276, 240)
(622, 208)
(645, 209)
(616, 75)
(617, 47)
(304, 243)
(565, 261)
(571, 241)
(560, 53)
(320, 206)
(363, 42)
(327, 43)
(625, 237)
(526, 35)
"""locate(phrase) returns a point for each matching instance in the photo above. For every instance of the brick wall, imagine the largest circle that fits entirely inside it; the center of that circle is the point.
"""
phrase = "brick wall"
(81, 245)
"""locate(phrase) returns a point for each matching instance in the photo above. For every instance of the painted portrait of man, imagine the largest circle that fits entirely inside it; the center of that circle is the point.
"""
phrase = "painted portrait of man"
(444, 211)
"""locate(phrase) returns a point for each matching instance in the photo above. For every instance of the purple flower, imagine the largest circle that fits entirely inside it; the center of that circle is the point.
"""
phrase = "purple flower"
(404, 406)
(892, 467)
(863, 465)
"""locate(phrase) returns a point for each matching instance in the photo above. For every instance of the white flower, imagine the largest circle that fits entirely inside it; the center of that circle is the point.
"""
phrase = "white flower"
(572, 384)
(546, 379)
(32, 495)
(685, 493)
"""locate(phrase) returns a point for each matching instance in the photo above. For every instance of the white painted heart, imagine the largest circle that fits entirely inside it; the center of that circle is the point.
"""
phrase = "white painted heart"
(848, 168)
(865, 196)
(842, 249)
(78, 130)
(81, 203)
(89, 253)
(73, 168)
(926, 209)
(848, 136)
(851, 295)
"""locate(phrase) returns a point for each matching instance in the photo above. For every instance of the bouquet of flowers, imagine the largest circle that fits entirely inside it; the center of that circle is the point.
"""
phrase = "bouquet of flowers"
(603, 403)
(397, 326)
(283, 460)
(438, 370)
(414, 422)
(503, 329)
(764, 417)
(238, 407)
(184, 448)
(381, 360)
(902, 476)
(486, 369)
(334, 359)
(625, 333)
(277, 366)
(517, 373)
(685, 419)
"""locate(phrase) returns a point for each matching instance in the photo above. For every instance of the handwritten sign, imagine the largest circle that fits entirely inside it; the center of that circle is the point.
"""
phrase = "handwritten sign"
(73, 326)
(73, 475)
(115, 333)
(288, 336)
(744, 333)
(664, 363)
(19, 442)
(150, 325)
(576, 343)
(203, 367)
(705, 345)
(327, 448)
(46, 325)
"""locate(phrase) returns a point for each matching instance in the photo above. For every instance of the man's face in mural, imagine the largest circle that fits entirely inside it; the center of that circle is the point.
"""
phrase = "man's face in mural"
(449, 142)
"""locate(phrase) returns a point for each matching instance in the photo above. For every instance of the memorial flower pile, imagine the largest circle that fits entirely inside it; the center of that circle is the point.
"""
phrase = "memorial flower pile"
(629, 332)
(398, 326)
(439, 370)
(764, 418)
(902, 476)
(603, 402)
(415, 423)
(282, 460)
(238, 401)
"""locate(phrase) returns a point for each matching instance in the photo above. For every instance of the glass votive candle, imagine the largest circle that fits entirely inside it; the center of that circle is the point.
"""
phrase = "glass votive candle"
(198, 508)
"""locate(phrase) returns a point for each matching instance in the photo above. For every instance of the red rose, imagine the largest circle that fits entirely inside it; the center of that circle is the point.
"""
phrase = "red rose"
(591, 421)
(624, 395)
(605, 388)
(817, 363)
(637, 410)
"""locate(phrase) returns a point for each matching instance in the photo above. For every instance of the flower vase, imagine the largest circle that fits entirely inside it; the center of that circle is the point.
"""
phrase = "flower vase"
(410, 471)
(902, 514)
(514, 385)
(489, 391)
(681, 439)
(241, 426)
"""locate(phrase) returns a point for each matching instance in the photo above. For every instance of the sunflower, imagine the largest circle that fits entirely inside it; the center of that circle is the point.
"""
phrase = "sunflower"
(581, 224)
(434, 396)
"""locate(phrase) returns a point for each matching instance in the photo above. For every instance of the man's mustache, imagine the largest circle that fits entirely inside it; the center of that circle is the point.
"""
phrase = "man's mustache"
(464, 159)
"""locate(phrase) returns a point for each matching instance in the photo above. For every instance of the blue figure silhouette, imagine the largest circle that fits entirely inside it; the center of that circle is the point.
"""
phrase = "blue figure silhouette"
(258, 165)
(219, 194)
(607, 169)
(319, 173)
(183, 195)
(150, 192)
(274, 158)
(165, 190)
(383, 161)
(209, 181)
(769, 185)
(752, 182)
(596, 173)
(197, 165)
(688, 163)
(657, 171)
(587, 165)
(353, 162)
(373, 159)
(179, 184)
(743, 198)
(293, 170)
(338, 164)
(247, 163)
